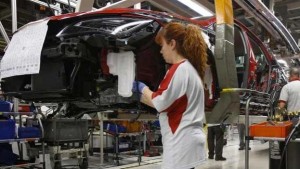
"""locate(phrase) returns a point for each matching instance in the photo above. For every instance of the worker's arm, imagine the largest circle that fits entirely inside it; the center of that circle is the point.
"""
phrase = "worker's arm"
(147, 97)
(146, 93)
(284, 96)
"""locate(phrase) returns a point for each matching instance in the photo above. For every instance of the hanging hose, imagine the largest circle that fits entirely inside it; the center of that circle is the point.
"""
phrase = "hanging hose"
(139, 105)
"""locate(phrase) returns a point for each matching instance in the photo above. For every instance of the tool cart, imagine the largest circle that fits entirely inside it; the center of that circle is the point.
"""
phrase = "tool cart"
(125, 141)
(121, 134)
(23, 128)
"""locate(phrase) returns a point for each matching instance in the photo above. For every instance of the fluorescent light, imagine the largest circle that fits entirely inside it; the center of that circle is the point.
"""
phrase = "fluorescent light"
(196, 7)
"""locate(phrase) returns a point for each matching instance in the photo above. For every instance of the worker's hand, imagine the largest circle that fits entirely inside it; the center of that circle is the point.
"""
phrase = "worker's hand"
(138, 86)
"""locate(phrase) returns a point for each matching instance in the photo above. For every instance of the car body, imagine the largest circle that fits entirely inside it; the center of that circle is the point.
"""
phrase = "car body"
(75, 52)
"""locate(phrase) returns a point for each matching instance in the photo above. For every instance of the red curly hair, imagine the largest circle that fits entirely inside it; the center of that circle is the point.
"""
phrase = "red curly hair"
(189, 43)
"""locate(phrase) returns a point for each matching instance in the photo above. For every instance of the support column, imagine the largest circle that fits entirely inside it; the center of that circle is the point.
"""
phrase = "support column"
(228, 105)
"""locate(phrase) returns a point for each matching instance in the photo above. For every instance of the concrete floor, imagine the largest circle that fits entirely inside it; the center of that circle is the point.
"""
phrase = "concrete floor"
(235, 159)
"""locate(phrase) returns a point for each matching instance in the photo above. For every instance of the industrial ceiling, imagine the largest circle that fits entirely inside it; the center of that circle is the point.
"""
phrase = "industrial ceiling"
(287, 11)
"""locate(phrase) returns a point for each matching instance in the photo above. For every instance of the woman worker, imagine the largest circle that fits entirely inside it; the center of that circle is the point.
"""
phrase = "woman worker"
(180, 96)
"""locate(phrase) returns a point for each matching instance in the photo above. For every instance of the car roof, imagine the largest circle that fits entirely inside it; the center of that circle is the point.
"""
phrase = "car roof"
(161, 17)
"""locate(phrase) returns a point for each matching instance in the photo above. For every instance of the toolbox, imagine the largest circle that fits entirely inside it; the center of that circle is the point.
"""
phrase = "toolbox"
(7, 129)
(271, 129)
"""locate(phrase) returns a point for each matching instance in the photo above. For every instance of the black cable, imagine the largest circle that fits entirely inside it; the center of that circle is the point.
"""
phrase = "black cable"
(70, 9)
(48, 3)
(139, 105)
(287, 142)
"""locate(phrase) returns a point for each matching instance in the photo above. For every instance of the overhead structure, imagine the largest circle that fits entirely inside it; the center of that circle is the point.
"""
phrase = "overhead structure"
(270, 22)
(54, 7)
(14, 15)
(173, 6)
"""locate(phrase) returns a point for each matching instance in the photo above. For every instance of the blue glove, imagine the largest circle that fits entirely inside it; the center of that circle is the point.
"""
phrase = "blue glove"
(138, 86)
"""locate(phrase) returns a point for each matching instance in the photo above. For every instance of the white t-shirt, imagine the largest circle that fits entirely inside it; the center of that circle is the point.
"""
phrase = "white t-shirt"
(180, 101)
(290, 94)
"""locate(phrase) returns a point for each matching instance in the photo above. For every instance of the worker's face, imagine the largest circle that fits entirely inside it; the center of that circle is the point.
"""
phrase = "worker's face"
(167, 50)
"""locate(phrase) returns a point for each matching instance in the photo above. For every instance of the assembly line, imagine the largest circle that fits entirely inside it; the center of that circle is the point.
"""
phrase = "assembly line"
(149, 84)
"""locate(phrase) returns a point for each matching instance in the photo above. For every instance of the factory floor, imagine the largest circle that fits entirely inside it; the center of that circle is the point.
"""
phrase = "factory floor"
(235, 158)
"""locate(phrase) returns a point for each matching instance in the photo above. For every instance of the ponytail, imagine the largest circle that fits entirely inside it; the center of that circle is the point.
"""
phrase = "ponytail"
(195, 49)
(190, 43)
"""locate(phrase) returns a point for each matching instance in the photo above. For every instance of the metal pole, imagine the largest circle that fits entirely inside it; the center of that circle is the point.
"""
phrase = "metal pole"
(145, 139)
(247, 134)
(4, 34)
(92, 141)
(140, 148)
(43, 144)
(14, 15)
(16, 109)
(100, 115)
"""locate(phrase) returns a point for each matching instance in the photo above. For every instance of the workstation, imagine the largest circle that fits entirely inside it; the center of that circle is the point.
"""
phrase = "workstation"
(184, 84)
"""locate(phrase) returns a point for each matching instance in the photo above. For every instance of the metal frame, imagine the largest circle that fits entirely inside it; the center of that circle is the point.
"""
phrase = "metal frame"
(254, 95)
(103, 116)
(4, 34)
(269, 21)
(26, 139)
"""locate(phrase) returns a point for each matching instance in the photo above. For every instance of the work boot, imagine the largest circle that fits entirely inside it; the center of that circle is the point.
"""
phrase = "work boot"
(220, 159)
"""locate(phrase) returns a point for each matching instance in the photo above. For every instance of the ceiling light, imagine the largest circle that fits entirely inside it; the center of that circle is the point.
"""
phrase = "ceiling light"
(196, 7)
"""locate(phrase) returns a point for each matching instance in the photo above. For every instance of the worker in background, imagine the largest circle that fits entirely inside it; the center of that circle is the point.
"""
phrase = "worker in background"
(215, 132)
(180, 96)
(215, 141)
(290, 93)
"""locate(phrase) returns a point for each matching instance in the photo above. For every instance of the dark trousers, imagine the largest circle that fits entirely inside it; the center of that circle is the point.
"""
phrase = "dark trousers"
(241, 129)
(215, 140)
